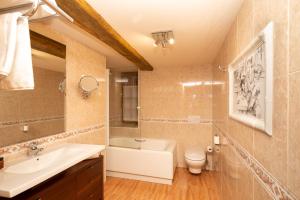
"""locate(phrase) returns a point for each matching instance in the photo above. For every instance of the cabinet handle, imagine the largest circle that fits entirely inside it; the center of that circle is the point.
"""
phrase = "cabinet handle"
(39, 198)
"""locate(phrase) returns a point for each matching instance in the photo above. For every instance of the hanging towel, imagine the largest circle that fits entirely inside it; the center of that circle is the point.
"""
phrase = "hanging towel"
(130, 103)
(20, 72)
(8, 41)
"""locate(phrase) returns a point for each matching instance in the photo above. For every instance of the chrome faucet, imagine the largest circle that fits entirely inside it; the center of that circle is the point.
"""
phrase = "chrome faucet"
(33, 149)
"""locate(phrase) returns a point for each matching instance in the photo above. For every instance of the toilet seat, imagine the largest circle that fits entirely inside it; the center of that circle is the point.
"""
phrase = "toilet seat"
(195, 154)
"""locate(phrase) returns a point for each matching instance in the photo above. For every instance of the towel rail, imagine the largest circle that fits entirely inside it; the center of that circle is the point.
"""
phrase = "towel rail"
(34, 7)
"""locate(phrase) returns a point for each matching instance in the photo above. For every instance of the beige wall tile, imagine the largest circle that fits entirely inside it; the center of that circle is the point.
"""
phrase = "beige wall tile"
(124, 132)
(245, 31)
(230, 174)
(244, 182)
(230, 45)
(164, 87)
(294, 135)
(272, 152)
(220, 100)
(186, 135)
(242, 134)
(276, 11)
(81, 112)
(259, 193)
(294, 33)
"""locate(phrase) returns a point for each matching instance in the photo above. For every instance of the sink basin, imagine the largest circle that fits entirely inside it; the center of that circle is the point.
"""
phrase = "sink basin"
(28, 173)
(44, 161)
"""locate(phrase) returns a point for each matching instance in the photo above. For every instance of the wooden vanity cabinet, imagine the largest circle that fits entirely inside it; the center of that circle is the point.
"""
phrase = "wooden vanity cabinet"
(83, 181)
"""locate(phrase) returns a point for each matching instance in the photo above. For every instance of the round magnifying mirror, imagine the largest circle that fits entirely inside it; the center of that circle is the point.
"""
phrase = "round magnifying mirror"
(88, 84)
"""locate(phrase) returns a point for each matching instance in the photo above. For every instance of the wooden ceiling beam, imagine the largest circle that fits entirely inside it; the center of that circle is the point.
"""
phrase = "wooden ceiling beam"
(42, 43)
(92, 22)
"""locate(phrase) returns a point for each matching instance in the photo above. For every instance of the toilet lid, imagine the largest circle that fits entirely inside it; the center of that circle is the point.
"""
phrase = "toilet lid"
(195, 153)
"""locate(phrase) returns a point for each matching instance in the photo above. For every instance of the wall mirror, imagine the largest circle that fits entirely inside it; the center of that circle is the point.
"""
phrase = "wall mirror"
(30, 114)
(87, 84)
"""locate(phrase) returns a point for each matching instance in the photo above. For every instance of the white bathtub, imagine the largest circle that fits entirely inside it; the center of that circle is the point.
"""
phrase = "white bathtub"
(144, 159)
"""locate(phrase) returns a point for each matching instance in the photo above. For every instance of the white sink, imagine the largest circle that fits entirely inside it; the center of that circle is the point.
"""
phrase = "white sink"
(47, 160)
(26, 174)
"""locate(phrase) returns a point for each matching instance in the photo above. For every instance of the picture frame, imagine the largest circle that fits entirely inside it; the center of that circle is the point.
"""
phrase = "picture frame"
(251, 83)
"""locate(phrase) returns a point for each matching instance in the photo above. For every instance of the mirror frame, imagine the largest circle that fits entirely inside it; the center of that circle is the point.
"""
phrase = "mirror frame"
(86, 93)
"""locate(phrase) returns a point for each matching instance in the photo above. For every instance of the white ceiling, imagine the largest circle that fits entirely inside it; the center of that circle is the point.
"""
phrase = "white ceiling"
(114, 60)
(199, 27)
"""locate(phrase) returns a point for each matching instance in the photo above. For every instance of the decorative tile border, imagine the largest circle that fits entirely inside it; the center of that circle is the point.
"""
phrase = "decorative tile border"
(50, 139)
(29, 121)
(176, 121)
(270, 183)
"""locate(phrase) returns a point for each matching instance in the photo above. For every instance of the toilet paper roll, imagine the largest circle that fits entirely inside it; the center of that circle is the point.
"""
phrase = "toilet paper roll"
(209, 149)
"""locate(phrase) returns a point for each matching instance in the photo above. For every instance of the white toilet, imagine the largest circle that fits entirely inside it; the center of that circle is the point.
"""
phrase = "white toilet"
(195, 158)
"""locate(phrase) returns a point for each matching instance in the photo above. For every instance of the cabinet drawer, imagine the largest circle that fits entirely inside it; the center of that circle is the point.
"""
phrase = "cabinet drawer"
(89, 173)
(92, 191)
(62, 189)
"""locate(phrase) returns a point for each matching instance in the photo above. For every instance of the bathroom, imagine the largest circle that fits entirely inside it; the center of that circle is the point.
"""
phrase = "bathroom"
(146, 100)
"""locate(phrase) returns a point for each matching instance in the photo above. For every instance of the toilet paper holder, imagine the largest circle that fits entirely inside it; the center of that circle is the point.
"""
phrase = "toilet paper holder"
(209, 149)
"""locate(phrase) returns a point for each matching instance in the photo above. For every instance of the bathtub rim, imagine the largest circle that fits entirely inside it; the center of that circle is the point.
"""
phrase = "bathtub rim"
(171, 145)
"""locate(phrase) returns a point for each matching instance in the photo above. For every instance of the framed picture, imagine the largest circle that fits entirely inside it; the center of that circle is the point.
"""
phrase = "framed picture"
(251, 83)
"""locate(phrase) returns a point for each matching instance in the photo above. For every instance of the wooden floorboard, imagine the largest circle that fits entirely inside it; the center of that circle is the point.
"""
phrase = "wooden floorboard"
(185, 187)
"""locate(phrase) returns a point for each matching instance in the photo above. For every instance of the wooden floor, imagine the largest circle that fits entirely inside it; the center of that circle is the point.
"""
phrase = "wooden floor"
(185, 187)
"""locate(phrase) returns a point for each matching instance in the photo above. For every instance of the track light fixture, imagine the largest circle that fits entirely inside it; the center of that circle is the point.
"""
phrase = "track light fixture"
(163, 38)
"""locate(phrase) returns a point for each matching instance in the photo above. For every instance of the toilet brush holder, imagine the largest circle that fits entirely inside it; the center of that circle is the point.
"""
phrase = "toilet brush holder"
(209, 159)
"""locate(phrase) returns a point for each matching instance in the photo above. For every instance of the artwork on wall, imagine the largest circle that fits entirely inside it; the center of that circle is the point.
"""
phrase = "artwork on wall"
(251, 83)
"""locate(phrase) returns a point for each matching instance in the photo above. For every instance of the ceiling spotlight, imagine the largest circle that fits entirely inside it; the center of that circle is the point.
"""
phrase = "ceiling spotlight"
(171, 41)
(163, 38)
(155, 44)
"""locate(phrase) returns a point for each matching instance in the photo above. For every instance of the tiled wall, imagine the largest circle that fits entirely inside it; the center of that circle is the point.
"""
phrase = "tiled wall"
(42, 109)
(166, 105)
(279, 155)
(84, 112)
(132, 132)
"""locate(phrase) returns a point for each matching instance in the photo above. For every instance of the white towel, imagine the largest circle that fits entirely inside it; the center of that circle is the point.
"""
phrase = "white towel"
(130, 103)
(8, 40)
(20, 72)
